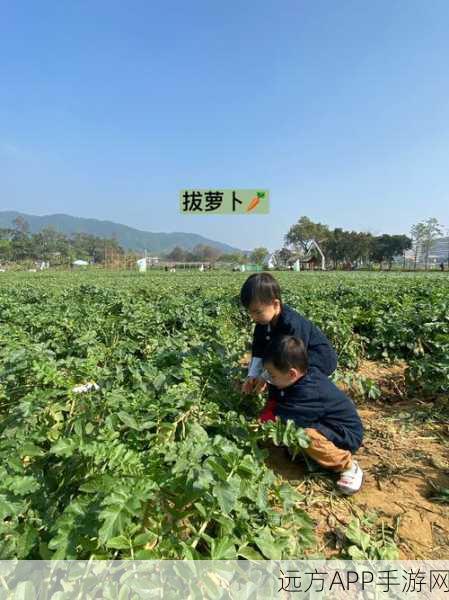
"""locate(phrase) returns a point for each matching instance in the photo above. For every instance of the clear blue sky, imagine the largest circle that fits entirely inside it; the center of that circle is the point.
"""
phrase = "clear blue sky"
(340, 109)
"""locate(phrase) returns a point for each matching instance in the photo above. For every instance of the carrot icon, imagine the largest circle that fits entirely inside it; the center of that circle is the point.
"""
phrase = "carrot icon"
(255, 201)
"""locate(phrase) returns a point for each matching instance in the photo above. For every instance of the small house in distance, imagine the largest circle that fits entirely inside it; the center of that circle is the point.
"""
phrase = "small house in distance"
(147, 261)
(309, 257)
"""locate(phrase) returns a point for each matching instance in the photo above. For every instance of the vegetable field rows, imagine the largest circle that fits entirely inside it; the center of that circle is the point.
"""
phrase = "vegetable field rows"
(162, 458)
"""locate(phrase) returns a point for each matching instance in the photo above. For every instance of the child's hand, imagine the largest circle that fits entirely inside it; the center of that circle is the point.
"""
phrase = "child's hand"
(260, 385)
(248, 385)
(254, 385)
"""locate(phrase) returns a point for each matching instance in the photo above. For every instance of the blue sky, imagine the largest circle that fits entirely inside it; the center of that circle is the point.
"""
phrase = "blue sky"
(340, 109)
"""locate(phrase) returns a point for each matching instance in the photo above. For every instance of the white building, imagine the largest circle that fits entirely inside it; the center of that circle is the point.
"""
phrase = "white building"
(147, 261)
(271, 264)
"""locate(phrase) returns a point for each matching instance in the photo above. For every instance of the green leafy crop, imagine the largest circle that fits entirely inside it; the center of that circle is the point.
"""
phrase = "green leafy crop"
(122, 433)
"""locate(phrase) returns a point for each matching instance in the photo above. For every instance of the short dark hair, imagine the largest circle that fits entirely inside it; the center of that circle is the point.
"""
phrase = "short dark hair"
(260, 287)
(287, 352)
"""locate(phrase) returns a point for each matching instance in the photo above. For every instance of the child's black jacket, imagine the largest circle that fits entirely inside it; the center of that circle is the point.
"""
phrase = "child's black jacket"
(321, 354)
(314, 401)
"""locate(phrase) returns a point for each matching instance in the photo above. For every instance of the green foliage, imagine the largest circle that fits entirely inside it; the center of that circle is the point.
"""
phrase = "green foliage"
(285, 434)
(161, 461)
(366, 541)
(259, 256)
(157, 462)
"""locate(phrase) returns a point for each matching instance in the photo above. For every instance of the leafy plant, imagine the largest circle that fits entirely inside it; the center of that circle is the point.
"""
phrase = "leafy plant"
(155, 458)
(368, 542)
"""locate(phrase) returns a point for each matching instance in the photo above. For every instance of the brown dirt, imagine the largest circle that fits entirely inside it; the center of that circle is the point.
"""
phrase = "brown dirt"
(402, 455)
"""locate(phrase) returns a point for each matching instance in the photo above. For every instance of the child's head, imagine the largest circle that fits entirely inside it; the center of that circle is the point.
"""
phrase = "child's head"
(261, 296)
(285, 361)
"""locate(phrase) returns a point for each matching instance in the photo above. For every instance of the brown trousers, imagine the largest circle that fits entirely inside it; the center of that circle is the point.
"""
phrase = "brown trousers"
(326, 453)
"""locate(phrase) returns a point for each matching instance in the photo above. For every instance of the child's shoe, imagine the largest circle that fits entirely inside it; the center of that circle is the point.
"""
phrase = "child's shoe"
(351, 480)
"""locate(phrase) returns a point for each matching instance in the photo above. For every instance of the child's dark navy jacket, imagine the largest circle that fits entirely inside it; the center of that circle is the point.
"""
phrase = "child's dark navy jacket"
(320, 352)
(314, 401)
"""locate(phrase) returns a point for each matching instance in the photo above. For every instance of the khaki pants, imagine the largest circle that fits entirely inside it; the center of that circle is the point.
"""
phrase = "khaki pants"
(326, 453)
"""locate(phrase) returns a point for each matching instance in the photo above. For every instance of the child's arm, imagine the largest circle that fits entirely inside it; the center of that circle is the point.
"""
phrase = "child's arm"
(257, 352)
(254, 382)
(255, 366)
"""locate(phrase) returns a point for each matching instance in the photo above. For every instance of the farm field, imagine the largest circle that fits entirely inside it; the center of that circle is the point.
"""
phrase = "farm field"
(161, 457)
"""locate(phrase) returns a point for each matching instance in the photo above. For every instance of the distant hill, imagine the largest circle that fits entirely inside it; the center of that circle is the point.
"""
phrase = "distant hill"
(128, 237)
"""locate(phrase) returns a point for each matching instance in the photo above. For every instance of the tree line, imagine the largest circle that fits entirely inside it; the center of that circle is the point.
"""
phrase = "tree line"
(340, 247)
(18, 244)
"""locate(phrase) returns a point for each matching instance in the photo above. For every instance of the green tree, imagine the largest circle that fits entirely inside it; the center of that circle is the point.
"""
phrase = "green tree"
(203, 252)
(283, 256)
(5, 249)
(233, 257)
(48, 243)
(90, 247)
(364, 245)
(21, 246)
(336, 245)
(21, 225)
(178, 254)
(386, 247)
(431, 230)
(305, 230)
(259, 255)
(347, 246)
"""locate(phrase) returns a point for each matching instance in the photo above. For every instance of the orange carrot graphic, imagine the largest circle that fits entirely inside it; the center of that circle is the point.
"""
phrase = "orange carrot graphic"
(255, 201)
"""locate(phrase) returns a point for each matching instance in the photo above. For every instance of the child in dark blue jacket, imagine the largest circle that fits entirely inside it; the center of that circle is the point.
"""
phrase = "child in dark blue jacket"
(261, 296)
(303, 394)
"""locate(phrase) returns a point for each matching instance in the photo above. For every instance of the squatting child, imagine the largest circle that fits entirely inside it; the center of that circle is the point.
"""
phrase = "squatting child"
(306, 395)
(261, 296)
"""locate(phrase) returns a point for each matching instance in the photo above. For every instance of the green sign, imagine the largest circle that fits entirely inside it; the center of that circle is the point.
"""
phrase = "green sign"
(224, 202)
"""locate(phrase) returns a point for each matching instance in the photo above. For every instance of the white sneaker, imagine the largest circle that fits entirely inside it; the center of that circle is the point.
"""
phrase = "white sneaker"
(351, 480)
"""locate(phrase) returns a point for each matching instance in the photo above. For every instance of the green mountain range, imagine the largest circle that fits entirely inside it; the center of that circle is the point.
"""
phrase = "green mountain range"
(128, 237)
